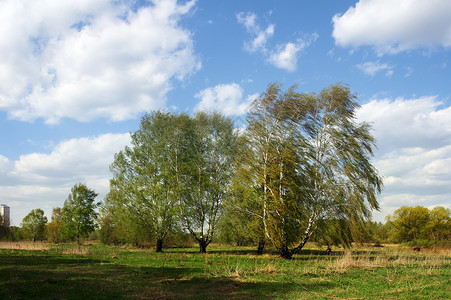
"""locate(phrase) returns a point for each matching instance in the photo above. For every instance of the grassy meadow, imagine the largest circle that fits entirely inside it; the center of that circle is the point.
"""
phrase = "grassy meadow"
(45, 271)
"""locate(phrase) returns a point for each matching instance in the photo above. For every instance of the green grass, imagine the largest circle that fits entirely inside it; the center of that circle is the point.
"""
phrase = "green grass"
(104, 272)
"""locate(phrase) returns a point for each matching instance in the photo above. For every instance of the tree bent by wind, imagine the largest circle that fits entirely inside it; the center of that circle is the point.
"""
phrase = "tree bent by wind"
(307, 166)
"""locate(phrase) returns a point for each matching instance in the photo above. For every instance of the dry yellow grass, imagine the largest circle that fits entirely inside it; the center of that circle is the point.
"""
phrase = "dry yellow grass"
(25, 245)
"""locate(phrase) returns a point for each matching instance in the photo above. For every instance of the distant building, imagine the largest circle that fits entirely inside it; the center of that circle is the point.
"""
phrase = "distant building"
(4, 212)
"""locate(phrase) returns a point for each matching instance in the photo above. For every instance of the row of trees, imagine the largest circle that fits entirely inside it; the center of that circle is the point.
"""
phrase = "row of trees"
(301, 169)
(74, 221)
(415, 226)
(301, 166)
(419, 225)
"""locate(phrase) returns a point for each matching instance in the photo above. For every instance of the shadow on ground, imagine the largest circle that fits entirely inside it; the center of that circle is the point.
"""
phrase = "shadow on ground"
(48, 277)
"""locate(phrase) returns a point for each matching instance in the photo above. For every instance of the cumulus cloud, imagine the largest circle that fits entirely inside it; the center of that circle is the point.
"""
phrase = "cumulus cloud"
(44, 179)
(408, 123)
(284, 55)
(414, 156)
(225, 98)
(394, 26)
(86, 60)
(372, 67)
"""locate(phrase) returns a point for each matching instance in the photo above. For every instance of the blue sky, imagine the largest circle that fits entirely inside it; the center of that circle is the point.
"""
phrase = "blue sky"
(76, 76)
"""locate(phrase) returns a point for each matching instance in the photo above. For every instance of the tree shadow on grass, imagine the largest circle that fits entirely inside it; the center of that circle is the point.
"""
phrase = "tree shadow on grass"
(43, 277)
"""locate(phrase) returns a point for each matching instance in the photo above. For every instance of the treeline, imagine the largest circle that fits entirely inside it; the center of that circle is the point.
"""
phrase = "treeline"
(300, 171)
(74, 222)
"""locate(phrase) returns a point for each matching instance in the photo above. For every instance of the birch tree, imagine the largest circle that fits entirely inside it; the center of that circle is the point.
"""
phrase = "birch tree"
(311, 162)
(213, 151)
(147, 179)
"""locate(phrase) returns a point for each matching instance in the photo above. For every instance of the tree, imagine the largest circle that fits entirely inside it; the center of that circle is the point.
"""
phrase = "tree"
(33, 224)
(148, 177)
(415, 224)
(310, 165)
(212, 153)
(78, 214)
(409, 223)
(54, 227)
(4, 230)
(439, 226)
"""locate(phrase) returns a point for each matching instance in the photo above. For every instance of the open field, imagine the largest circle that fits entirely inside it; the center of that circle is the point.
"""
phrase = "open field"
(103, 272)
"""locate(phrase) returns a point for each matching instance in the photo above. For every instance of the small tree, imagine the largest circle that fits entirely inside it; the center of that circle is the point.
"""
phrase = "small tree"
(78, 214)
(439, 226)
(54, 227)
(33, 224)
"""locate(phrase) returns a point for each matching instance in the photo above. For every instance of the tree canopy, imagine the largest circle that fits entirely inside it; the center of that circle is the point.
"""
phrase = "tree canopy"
(308, 162)
(175, 172)
(78, 213)
(418, 224)
(33, 224)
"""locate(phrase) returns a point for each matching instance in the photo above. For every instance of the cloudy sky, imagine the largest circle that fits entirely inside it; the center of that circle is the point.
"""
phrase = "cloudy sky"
(76, 75)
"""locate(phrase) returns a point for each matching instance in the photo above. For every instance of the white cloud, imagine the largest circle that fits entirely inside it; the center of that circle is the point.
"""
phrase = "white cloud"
(4, 163)
(394, 26)
(225, 98)
(86, 60)
(414, 156)
(258, 43)
(285, 55)
(40, 180)
(372, 67)
(409, 123)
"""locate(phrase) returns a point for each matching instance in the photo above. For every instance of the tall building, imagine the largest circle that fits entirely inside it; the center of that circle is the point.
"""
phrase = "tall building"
(4, 212)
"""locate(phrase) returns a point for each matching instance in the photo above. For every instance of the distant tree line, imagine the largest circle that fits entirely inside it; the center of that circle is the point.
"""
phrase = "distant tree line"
(75, 221)
(301, 171)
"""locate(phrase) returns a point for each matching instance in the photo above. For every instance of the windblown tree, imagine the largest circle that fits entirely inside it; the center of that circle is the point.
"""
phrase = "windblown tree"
(265, 171)
(79, 213)
(149, 177)
(212, 155)
(33, 224)
(310, 166)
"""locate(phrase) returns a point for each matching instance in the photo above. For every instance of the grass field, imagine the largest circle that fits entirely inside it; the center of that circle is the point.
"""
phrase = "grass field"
(45, 271)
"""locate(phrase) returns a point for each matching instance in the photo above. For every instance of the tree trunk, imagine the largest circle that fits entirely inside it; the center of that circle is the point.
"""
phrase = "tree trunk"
(286, 253)
(261, 246)
(203, 246)
(159, 247)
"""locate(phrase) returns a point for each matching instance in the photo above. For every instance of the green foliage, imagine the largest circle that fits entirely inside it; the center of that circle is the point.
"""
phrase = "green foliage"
(54, 234)
(149, 177)
(176, 172)
(78, 213)
(209, 175)
(33, 224)
(236, 227)
(307, 166)
(419, 225)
